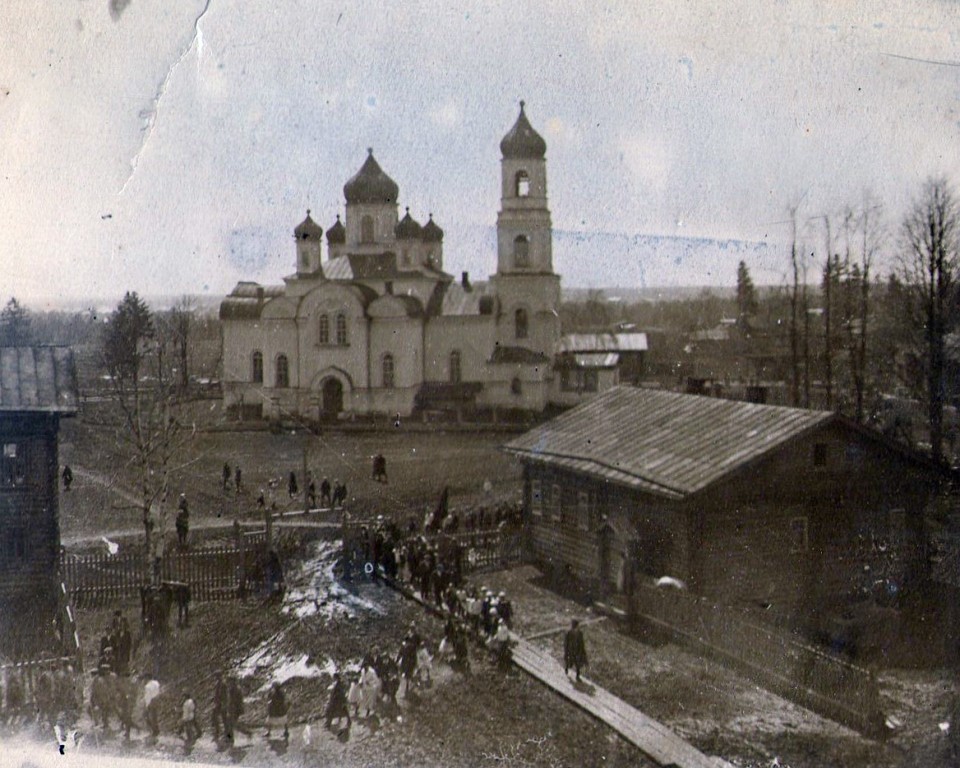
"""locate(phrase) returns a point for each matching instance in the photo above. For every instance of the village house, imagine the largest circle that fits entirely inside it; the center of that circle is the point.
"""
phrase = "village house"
(787, 510)
(37, 388)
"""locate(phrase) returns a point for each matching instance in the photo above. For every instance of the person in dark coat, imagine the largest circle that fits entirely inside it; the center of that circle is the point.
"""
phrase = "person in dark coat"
(312, 494)
(277, 710)
(238, 479)
(218, 712)
(67, 477)
(292, 488)
(574, 649)
(183, 520)
(226, 475)
(337, 706)
(325, 500)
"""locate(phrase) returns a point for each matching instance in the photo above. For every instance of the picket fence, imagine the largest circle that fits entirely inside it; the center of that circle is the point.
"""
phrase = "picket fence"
(213, 572)
(828, 685)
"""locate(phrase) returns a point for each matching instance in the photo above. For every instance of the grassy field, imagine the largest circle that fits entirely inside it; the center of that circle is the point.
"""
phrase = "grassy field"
(419, 465)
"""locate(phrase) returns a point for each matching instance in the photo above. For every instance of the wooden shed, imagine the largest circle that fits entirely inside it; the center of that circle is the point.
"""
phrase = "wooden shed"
(792, 510)
(37, 388)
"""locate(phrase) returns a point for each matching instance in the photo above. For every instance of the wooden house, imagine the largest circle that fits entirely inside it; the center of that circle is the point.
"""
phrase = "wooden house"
(793, 510)
(37, 388)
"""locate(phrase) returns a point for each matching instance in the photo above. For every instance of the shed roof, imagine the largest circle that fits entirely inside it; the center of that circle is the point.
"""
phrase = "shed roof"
(39, 379)
(662, 442)
(603, 342)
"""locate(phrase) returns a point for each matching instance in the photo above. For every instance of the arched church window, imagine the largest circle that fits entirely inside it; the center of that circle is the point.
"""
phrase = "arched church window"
(523, 184)
(521, 251)
(387, 370)
(455, 372)
(366, 229)
(342, 330)
(257, 372)
(283, 372)
(324, 329)
(520, 323)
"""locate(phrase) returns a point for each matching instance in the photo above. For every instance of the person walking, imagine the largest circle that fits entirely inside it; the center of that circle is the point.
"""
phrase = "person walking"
(237, 480)
(183, 520)
(151, 709)
(189, 727)
(218, 714)
(325, 500)
(337, 706)
(226, 476)
(574, 649)
(277, 709)
(292, 487)
(67, 477)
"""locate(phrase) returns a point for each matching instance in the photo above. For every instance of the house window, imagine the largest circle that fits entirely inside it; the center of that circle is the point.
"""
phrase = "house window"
(283, 372)
(536, 498)
(516, 386)
(366, 229)
(556, 505)
(324, 329)
(455, 373)
(523, 184)
(13, 471)
(799, 535)
(521, 252)
(583, 511)
(387, 367)
(590, 381)
(257, 373)
(820, 455)
(520, 323)
(341, 330)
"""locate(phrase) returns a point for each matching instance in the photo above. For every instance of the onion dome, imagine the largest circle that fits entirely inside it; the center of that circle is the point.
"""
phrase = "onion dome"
(431, 233)
(371, 185)
(337, 235)
(308, 229)
(408, 228)
(522, 141)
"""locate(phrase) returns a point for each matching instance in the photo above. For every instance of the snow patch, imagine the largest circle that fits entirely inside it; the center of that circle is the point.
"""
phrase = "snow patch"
(313, 590)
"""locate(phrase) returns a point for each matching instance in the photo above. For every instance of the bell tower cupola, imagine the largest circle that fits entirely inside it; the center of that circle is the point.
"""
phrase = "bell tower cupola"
(523, 225)
(309, 236)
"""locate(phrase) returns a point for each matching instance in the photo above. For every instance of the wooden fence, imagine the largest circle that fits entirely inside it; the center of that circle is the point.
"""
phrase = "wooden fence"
(818, 680)
(489, 550)
(213, 573)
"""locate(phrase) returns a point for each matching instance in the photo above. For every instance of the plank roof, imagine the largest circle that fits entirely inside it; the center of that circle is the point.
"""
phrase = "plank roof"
(665, 443)
(41, 379)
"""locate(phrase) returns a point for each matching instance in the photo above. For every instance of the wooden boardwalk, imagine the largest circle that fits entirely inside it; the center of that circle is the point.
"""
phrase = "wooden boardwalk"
(653, 738)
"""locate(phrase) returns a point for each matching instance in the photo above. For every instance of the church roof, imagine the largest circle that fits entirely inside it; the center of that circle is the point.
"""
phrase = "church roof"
(371, 185)
(373, 266)
(408, 228)
(522, 141)
(518, 355)
(337, 234)
(431, 232)
(308, 229)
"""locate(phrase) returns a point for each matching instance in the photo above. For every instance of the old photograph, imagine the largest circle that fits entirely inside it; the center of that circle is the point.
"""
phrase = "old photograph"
(337, 431)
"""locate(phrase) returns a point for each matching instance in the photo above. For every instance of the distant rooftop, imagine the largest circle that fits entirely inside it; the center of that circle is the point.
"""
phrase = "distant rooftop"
(38, 379)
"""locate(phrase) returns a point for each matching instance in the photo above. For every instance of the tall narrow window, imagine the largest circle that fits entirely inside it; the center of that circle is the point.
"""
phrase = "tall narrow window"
(520, 323)
(324, 329)
(536, 498)
(516, 386)
(257, 373)
(366, 229)
(523, 184)
(283, 372)
(342, 330)
(455, 373)
(387, 366)
(14, 465)
(521, 252)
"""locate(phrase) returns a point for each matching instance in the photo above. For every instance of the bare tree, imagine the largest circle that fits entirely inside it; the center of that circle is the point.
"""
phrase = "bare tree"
(794, 327)
(150, 429)
(928, 268)
(181, 322)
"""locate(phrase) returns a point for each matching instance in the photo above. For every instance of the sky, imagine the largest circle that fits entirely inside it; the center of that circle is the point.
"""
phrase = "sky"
(171, 147)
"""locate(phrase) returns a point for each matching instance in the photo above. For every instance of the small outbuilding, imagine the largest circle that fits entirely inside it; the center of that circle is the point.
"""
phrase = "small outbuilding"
(38, 387)
(793, 510)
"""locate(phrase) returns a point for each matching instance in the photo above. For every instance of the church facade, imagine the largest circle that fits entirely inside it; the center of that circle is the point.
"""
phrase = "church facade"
(378, 326)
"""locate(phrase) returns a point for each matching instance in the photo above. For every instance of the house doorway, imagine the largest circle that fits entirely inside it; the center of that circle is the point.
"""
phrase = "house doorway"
(607, 572)
(332, 398)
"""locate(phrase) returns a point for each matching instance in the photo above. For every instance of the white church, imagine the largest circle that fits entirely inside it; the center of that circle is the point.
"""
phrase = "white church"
(380, 328)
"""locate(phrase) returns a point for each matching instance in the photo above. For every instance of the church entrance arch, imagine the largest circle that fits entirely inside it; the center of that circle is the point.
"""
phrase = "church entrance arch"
(332, 402)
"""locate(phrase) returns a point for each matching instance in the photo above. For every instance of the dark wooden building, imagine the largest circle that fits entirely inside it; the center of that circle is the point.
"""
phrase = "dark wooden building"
(754, 505)
(37, 388)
